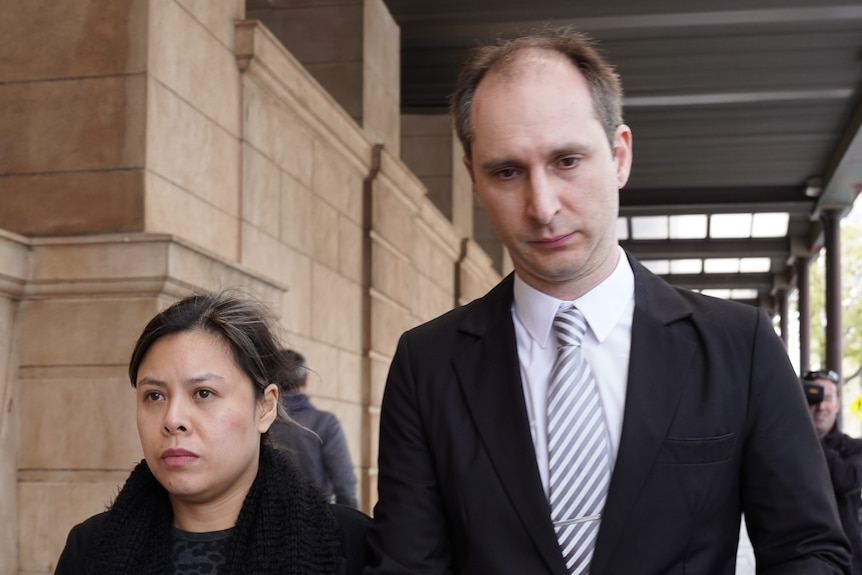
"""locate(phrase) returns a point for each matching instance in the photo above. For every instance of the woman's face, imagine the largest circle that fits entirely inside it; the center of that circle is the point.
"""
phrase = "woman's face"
(199, 420)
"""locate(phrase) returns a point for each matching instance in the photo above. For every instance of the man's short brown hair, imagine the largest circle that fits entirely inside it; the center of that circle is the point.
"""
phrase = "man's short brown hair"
(577, 47)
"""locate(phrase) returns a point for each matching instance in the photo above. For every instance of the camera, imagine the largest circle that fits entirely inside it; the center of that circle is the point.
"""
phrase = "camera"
(813, 392)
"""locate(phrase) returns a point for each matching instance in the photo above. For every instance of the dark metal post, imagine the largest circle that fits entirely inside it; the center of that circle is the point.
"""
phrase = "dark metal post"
(781, 296)
(834, 343)
(803, 283)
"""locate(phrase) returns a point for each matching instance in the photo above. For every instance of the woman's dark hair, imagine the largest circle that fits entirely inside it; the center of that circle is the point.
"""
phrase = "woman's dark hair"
(241, 322)
(578, 48)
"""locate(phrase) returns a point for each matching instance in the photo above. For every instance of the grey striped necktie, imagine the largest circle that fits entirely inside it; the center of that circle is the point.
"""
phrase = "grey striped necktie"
(578, 445)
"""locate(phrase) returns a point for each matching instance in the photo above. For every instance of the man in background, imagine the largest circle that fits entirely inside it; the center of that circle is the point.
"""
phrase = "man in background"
(314, 439)
(843, 455)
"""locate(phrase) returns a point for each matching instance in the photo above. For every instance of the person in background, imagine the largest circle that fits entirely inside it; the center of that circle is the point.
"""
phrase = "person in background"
(314, 439)
(843, 455)
(584, 416)
(210, 495)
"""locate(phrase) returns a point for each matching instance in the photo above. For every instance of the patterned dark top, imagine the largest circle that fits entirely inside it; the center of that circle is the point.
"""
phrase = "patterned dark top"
(199, 553)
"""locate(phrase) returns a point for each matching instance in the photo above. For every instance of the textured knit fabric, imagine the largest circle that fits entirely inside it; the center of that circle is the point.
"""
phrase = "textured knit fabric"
(284, 527)
(317, 447)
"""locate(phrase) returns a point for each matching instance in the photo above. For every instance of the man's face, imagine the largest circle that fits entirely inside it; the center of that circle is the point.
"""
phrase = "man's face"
(545, 174)
(824, 413)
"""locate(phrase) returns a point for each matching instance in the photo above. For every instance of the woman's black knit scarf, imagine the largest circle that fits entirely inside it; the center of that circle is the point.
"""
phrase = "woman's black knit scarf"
(284, 527)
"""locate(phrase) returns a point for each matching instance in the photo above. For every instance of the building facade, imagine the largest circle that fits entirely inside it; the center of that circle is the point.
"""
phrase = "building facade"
(150, 148)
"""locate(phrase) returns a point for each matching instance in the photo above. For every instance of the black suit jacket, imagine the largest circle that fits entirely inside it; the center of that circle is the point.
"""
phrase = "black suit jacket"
(715, 424)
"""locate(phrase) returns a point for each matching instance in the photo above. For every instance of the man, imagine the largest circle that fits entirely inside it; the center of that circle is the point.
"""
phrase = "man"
(703, 417)
(843, 457)
(314, 439)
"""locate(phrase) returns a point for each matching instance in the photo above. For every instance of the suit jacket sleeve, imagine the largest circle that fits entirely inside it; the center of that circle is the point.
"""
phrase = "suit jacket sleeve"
(353, 528)
(409, 533)
(716, 426)
(789, 506)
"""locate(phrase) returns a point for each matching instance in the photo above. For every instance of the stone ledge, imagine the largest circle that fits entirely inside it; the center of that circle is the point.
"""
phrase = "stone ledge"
(262, 56)
(14, 263)
(135, 264)
(63, 476)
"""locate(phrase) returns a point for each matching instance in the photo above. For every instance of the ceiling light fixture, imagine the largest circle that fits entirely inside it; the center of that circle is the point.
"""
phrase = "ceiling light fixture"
(813, 187)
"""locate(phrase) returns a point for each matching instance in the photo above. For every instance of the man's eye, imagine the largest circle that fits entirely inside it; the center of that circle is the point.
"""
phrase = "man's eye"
(568, 162)
(203, 393)
(506, 173)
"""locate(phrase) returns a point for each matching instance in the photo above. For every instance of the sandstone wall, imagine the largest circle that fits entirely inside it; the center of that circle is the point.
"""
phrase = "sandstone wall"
(173, 145)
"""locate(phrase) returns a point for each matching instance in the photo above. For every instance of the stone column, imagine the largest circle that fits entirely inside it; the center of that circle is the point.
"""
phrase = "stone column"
(431, 150)
(72, 109)
(352, 47)
(14, 265)
(110, 104)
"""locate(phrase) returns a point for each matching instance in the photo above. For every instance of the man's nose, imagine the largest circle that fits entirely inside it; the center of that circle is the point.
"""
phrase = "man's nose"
(543, 202)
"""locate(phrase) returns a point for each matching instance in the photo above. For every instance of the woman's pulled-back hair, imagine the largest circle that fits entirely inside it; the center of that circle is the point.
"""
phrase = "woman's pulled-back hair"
(241, 322)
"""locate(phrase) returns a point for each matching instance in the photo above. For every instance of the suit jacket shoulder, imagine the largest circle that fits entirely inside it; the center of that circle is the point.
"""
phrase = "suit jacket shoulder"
(473, 319)
(668, 303)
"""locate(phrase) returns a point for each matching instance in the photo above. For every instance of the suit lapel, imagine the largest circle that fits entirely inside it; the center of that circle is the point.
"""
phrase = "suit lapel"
(489, 373)
(660, 358)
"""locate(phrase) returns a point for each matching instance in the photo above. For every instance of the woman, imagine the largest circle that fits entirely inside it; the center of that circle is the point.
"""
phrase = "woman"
(211, 495)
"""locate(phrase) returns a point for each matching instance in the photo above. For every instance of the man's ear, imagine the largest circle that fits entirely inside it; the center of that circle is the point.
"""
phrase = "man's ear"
(622, 151)
(469, 165)
(267, 408)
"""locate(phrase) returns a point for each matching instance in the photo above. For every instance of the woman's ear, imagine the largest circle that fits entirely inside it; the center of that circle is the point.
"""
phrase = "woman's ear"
(267, 408)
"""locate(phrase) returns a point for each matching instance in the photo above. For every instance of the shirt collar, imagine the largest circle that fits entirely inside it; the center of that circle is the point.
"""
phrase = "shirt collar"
(601, 306)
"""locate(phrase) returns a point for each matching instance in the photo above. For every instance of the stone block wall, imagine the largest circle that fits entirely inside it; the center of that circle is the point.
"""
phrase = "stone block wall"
(356, 59)
(83, 305)
(14, 262)
(169, 146)
(72, 116)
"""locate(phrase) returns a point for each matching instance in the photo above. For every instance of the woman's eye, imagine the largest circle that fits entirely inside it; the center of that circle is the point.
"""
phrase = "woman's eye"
(152, 396)
(203, 393)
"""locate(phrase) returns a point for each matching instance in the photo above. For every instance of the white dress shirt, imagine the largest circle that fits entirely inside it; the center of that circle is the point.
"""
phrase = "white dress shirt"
(608, 309)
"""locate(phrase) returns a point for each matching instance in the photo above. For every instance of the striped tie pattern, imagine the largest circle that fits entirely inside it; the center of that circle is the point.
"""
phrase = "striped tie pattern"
(578, 445)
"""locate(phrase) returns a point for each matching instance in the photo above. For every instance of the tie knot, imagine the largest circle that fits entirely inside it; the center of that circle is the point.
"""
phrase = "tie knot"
(569, 325)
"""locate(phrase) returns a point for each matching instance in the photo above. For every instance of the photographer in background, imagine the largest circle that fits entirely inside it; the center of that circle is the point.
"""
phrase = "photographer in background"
(843, 455)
